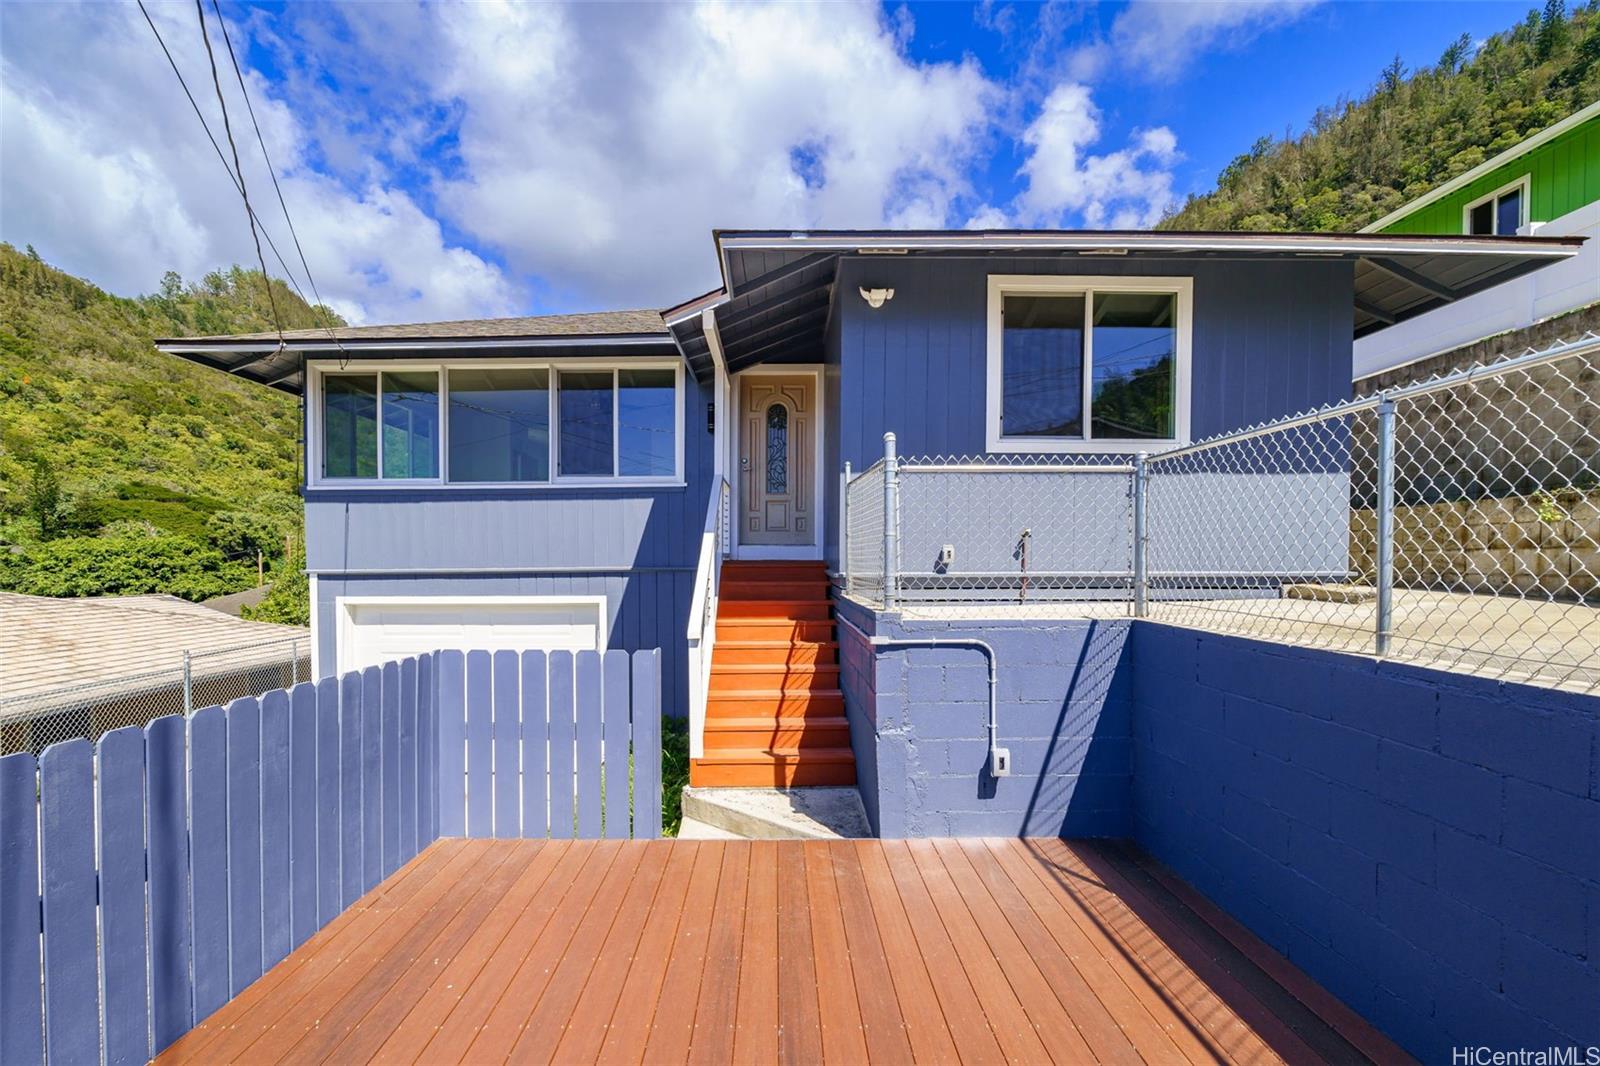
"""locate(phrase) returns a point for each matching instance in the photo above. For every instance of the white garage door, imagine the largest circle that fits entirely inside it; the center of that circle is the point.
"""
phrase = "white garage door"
(374, 631)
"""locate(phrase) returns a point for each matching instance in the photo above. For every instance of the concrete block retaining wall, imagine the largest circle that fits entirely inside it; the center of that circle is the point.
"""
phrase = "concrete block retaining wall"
(1424, 844)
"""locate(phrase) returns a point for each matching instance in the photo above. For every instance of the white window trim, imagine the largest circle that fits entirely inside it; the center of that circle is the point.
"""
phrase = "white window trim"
(319, 369)
(1002, 285)
(1524, 184)
(344, 615)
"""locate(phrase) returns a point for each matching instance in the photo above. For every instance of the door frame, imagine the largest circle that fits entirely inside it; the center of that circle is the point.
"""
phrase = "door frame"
(779, 551)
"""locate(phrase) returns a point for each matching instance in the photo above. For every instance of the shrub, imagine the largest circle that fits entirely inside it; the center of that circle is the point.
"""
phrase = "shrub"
(128, 562)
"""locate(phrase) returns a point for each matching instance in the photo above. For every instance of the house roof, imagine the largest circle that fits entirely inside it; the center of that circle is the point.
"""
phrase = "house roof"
(1461, 181)
(257, 356)
(777, 292)
(112, 646)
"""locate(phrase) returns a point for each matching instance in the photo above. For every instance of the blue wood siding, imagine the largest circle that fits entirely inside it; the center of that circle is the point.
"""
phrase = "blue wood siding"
(1269, 339)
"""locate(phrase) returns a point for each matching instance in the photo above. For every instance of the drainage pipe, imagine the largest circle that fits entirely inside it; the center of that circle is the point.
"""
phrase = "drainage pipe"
(945, 642)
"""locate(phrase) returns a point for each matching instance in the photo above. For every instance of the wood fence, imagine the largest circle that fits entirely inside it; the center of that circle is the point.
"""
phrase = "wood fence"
(148, 878)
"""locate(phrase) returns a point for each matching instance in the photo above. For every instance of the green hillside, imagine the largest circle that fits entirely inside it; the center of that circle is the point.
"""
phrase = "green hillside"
(124, 470)
(1359, 160)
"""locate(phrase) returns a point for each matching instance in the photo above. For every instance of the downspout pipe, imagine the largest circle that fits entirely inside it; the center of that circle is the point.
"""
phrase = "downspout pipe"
(999, 761)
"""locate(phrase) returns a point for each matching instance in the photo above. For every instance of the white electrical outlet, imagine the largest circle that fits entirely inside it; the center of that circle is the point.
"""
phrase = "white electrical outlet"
(1000, 762)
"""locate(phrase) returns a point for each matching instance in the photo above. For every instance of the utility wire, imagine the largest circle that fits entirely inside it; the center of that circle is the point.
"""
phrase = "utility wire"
(227, 129)
(273, 174)
(218, 148)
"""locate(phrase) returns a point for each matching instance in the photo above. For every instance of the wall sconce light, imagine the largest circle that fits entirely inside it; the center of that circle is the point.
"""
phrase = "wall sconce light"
(876, 298)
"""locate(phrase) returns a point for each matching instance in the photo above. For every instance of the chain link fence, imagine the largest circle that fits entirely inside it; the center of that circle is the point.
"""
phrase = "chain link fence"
(1455, 522)
(205, 678)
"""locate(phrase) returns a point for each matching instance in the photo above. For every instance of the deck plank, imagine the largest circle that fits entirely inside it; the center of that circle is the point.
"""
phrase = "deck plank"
(716, 1013)
(956, 995)
(424, 1014)
(756, 1023)
(809, 952)
(1155, 1026)
(449, 1042)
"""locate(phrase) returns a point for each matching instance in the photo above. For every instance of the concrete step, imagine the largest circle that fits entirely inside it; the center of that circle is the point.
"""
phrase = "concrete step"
(779, 813)
(693, 829)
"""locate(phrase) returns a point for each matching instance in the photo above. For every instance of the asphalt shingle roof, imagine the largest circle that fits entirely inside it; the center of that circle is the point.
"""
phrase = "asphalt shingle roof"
(588, 324)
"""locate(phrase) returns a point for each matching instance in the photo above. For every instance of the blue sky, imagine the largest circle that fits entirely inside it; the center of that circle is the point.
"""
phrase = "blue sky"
(446, 161)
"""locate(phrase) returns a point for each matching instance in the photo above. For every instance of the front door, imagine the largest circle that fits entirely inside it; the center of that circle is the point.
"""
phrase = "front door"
(776, 451)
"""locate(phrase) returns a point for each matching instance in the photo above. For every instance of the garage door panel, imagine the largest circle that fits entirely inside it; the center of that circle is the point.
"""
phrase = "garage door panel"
(375, 633)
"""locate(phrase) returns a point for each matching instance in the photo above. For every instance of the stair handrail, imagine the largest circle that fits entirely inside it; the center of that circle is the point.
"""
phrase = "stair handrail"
(701, 634)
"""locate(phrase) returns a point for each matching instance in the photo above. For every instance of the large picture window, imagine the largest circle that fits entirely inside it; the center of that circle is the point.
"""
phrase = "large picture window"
(381, 425)
(1078, 364)
(528, 424)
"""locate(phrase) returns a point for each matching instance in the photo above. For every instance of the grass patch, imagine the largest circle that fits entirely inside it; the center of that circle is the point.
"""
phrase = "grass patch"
(674, 771)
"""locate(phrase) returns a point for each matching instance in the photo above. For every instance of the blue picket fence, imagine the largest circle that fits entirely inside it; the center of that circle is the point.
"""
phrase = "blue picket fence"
(150, 877)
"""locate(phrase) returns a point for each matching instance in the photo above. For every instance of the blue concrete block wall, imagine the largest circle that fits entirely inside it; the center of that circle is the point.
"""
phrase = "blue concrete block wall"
(1424, 844)
(918, 728)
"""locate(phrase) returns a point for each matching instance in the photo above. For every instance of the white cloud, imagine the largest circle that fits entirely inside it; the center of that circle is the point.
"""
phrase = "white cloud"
(602, 151)
(1158, 39)
(1127, 189)
(109, 174)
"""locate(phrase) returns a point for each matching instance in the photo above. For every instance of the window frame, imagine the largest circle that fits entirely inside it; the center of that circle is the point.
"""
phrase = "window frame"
(1087, 286)
(1522, 185)
(320, 370)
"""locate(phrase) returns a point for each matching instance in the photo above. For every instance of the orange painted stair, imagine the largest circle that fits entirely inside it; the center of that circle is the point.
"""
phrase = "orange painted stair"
(774, 711)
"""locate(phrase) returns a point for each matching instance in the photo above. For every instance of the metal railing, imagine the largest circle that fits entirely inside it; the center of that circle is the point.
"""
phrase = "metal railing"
(1454, 521)
(202, 678)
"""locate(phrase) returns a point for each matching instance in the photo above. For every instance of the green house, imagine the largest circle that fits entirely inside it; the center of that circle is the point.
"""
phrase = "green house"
(1549, 184)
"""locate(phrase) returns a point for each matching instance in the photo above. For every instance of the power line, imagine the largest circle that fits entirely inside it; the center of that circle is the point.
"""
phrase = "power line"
(273, 174)
(215, 146)
(227, 129)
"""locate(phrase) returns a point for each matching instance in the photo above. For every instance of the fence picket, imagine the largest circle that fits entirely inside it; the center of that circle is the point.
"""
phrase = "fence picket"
(535, 745)
(22, 1035)
(66, 853)
(276, 913)
(647, 744)
(167, 817)
(371, 778)
(302, 813)
(329, 845)
(452, 714)
(427, 747)
(408, 760)
(480, 746)
(390, 729)
(124, 1015)
(349, 715)
(208, 858)
(561, 745)
(614, 689)
(586, 691)
(244, 842)
(507, 740)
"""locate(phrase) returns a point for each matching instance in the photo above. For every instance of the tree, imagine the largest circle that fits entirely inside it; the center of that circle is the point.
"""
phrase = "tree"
(1393, 76)
(1552, 30)
(43, 498)
(1450, 62)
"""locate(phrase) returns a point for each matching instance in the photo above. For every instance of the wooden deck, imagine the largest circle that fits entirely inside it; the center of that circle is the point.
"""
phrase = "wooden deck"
(782, 951)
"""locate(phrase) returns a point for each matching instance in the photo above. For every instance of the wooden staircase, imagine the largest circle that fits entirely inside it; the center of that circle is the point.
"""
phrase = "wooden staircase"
(774, 712)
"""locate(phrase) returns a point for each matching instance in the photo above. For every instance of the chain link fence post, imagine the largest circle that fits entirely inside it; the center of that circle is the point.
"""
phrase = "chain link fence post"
(844, 527)
(1385, 527)
(188, 687)
(891, 521)
(1141, 537)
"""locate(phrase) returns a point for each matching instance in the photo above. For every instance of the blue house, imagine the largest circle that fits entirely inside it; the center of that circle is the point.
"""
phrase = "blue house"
(577, 481)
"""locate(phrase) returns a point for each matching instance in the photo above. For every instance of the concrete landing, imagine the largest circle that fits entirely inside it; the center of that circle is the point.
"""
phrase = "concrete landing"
(779, 813)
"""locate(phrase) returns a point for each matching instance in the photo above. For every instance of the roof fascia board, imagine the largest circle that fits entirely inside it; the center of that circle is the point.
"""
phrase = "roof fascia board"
(677, 316)
(1460, 181)
(1350, 245)
(179, 346)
